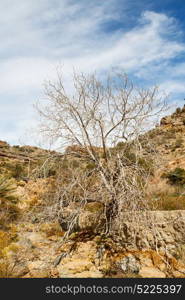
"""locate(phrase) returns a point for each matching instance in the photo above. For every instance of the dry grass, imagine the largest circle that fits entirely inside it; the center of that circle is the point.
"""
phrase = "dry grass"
(165, 201)
(164, 196)
(5, 239)
(6, 270)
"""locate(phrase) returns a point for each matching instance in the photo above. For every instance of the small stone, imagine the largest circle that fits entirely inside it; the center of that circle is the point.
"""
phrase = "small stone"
(129, 264)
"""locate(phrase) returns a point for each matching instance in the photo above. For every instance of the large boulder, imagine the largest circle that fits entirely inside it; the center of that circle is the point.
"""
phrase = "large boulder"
(92, 217)
(77, 218)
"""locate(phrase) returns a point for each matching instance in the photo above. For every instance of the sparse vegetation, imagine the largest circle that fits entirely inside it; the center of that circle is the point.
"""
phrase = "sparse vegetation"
(178, 144)
(6, 244)
(169, 201)
(82, 193)
(8, 201)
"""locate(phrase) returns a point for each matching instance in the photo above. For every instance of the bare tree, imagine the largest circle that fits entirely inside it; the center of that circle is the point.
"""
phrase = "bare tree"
(91, 120)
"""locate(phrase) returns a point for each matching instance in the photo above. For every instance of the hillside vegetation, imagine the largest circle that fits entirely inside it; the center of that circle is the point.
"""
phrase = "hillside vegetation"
(42, 195)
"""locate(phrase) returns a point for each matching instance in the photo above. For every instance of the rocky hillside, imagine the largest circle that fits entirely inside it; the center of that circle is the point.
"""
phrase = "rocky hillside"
(32, 241)
(167, 184)
(19, 161)
(170, 137)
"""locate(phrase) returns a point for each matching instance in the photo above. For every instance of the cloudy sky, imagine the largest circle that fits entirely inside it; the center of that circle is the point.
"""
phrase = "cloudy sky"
(144, 38)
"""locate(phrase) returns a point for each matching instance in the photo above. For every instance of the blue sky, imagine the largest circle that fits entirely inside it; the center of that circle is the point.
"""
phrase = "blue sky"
(144, 38)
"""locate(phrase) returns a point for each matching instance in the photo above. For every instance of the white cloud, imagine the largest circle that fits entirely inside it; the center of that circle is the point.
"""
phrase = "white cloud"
(172, 86)
(20, 74)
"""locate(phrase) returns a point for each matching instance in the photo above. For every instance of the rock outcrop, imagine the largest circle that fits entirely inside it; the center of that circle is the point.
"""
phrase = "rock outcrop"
(157, 230)
(90, 217)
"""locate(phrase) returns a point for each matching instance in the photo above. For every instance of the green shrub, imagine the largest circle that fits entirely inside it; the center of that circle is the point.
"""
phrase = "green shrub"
(144, 163)
(90, 166)
(176, 176)
(120, 145)
(152, 133)
(147, 165)
(130, 156)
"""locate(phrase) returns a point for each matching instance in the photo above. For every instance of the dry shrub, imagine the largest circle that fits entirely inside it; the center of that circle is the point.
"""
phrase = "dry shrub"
(5, 240)
(181, 253)
(6, 271)
(6, 248)
(36, 196)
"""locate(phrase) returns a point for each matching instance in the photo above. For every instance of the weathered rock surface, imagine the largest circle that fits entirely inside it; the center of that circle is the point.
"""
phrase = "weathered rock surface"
(157, 230)
(150, 272)
(90, 217)
(81, 263)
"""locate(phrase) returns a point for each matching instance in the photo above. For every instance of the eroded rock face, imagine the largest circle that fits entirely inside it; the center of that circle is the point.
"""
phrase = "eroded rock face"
(86, 261)
(150, 272)
(92, 218)
(146, 249)
(166, 120)
(130, 264)
(157, 230)
(174, 120)
(150, 264)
